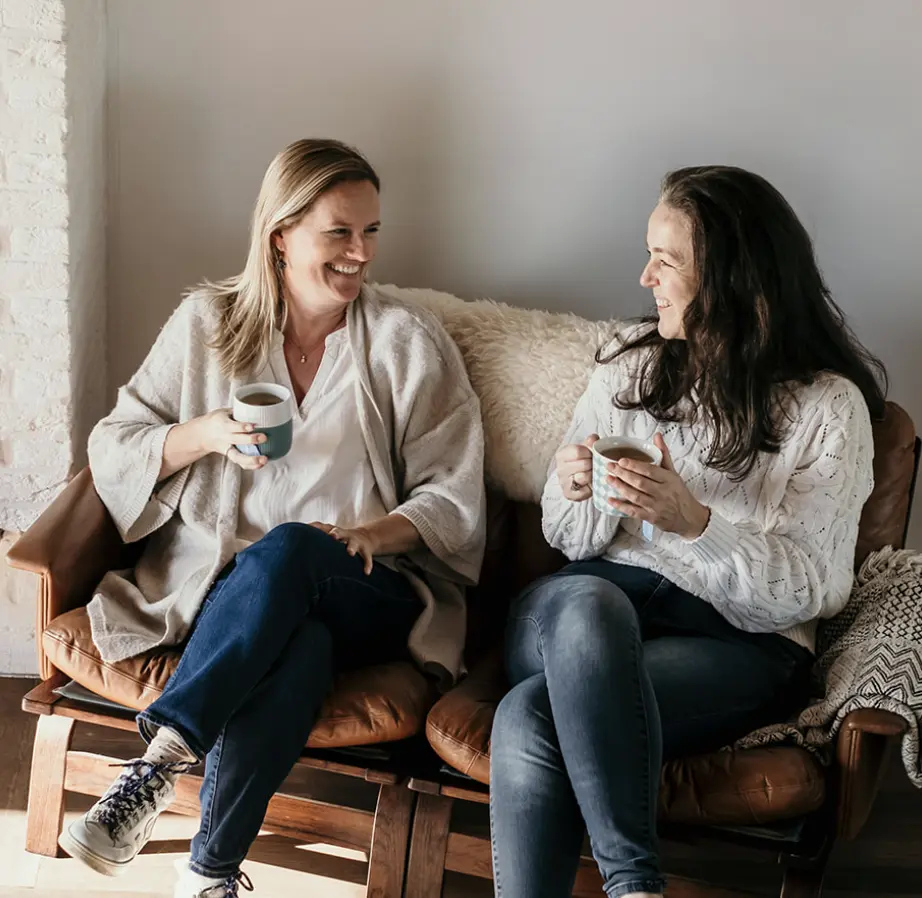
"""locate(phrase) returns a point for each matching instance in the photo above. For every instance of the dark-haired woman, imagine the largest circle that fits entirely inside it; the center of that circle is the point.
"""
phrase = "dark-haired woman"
(687, 618)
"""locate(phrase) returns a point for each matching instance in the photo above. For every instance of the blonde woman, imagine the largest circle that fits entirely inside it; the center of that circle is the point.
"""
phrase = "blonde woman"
(353, 549)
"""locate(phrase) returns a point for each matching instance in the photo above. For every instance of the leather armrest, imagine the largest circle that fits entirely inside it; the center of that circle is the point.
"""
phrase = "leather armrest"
(863, 746)
(884, 517)
(71, 545)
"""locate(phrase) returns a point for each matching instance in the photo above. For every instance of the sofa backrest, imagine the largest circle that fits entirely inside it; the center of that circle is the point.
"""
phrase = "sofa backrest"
(528, 367)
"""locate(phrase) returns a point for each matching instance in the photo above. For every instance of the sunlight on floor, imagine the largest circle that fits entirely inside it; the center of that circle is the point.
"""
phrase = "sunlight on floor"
(276, 865)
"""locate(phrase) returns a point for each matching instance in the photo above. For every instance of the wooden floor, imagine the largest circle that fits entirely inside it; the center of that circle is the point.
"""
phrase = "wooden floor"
(886, 861)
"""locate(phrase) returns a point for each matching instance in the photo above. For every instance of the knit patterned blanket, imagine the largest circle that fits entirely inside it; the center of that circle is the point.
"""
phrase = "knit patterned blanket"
(870, 656)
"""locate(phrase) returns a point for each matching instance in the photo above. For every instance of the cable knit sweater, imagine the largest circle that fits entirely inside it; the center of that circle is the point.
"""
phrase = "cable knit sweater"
(778, 551)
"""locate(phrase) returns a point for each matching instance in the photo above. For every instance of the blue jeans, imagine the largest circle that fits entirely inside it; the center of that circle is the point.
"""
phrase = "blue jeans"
(612, 669)
(284, 617)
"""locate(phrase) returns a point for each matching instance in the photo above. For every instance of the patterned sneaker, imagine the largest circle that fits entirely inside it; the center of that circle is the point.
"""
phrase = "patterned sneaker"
(109, 836)
(194, 885)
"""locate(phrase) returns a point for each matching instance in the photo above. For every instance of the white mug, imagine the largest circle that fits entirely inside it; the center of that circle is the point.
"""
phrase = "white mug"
(602, 490)
(274, 420)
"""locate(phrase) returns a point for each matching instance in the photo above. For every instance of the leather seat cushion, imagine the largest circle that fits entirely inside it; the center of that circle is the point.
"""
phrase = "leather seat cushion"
(376, 704)
(741, 788)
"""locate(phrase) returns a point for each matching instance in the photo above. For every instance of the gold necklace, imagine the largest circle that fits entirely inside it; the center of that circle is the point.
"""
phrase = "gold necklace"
(304, 355)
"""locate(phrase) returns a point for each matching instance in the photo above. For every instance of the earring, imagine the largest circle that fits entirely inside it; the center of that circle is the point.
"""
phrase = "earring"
(281, 264)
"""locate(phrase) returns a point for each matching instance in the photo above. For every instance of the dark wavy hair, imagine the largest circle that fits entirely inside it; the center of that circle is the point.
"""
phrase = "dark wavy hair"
(763, 319)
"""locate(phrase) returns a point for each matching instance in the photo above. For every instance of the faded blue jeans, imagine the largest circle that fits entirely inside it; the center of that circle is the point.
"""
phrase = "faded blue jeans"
(286, 614)
(612, 669)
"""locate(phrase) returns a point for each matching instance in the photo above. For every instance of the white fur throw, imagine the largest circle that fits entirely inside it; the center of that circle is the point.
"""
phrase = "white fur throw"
(529, 368)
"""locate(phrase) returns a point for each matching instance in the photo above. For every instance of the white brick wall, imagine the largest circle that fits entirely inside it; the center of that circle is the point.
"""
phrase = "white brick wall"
(52, 268)
(37, 18)
(33, 269)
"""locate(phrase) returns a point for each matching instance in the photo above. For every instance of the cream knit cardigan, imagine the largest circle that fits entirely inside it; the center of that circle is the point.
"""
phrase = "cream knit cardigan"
(421, 423)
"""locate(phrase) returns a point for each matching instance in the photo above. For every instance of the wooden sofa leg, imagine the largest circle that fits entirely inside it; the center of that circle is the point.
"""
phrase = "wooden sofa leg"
(387, 859)
(428, 846)
(803, 882)
(45, 815)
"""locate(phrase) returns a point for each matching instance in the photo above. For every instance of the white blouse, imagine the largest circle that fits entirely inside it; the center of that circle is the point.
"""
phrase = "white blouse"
(327, 475)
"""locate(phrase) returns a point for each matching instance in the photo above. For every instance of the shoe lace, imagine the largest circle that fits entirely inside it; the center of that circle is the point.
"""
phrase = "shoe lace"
(135, 792)
(230, 886)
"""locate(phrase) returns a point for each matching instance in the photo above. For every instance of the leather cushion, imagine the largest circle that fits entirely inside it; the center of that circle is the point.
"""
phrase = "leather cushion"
(742, 788)
(383, 703)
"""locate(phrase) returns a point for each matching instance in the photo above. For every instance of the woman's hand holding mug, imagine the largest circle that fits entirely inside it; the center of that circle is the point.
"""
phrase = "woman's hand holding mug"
(218, 432)
(574, 469)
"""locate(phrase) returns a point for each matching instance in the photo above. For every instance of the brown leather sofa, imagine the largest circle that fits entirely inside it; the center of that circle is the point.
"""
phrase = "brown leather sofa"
(798, 806)
(408, 837)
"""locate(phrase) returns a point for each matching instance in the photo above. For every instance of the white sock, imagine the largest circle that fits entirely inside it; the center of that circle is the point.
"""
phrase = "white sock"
(192, 883)
(168, 746)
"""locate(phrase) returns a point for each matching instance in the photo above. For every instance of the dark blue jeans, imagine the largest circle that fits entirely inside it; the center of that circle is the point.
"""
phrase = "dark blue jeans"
(287, 614)
(612, 669)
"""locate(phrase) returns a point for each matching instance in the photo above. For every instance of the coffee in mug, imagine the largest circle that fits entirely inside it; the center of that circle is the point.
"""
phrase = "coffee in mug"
(608, 450)
(628, 452)
(270, 408)
(262, 399)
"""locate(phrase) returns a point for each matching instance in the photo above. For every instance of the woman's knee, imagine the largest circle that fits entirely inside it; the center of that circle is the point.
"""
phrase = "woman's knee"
(287, 560)
(308, 548)
(295, 537)
(579, 610)
(523, 730)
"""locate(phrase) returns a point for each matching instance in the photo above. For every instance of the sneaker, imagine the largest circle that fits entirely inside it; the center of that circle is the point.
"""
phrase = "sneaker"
(194, 885)
(109, 836)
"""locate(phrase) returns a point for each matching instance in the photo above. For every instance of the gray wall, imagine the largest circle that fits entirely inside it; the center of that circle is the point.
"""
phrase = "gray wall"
(520, 143)
(86, 190)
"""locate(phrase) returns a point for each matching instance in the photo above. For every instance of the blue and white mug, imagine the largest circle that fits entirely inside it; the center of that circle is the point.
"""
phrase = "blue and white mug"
(605, 452)
(269, 407)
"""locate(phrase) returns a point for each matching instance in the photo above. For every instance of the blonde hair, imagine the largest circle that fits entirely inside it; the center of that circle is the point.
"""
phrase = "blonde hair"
(251, 304)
